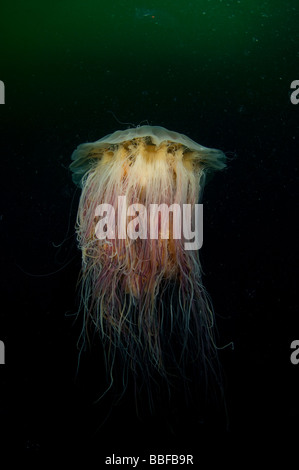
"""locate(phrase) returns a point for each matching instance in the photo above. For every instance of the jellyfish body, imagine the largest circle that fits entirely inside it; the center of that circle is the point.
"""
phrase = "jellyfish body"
(143, 295)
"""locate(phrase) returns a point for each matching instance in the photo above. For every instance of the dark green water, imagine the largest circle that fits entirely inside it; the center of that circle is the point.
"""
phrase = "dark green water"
(171, 62)
(219, 72)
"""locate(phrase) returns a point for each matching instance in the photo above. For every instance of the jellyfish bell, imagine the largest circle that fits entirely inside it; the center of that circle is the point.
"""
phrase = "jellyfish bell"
(144, 137)
(144, 295)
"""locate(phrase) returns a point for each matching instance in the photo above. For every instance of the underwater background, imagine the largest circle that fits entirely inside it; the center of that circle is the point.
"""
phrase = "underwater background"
(219, 72)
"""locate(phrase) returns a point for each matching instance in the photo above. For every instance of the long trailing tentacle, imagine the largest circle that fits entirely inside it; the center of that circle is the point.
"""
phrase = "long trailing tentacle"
(144, 297)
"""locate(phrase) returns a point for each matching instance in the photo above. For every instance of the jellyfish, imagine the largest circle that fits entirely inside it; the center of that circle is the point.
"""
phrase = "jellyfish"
(141, 283)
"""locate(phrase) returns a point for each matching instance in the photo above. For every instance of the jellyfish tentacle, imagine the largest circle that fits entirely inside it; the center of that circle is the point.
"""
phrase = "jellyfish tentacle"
(127, 276)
